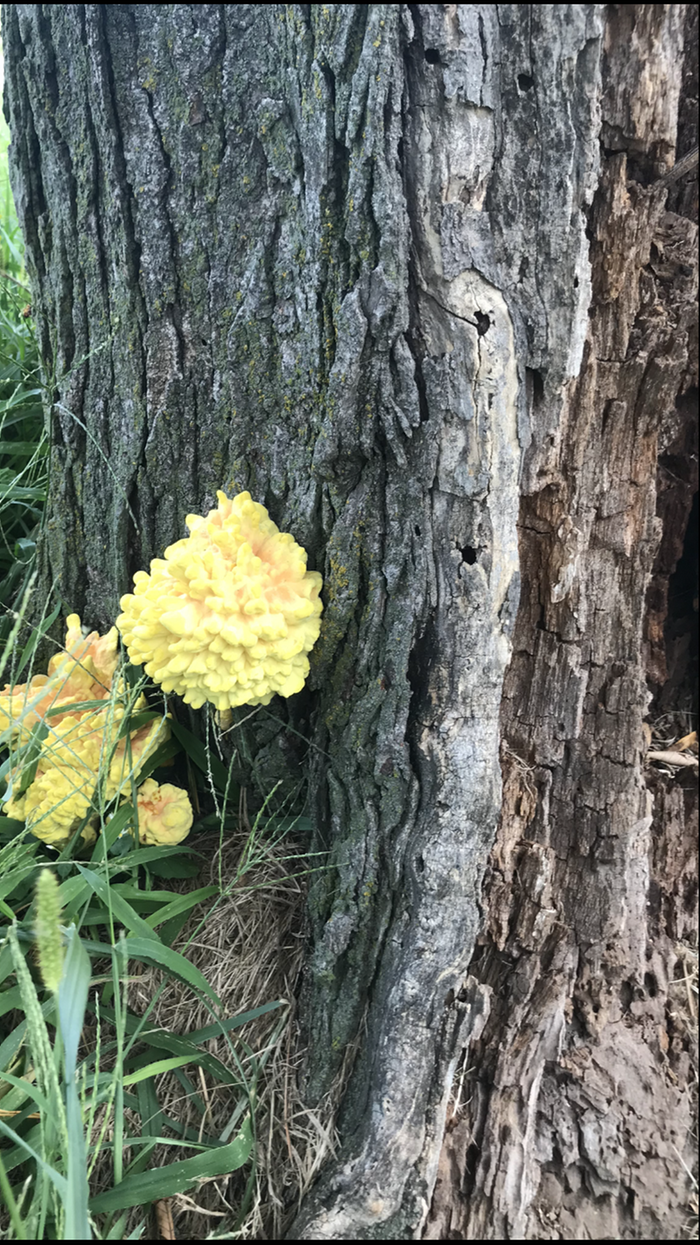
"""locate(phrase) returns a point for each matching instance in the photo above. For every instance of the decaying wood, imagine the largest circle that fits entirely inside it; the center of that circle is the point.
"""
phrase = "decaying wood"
(369, 262)
(577, 1104)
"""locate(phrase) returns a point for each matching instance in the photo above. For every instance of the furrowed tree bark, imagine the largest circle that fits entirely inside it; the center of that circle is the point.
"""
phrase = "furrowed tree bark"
(406, 274)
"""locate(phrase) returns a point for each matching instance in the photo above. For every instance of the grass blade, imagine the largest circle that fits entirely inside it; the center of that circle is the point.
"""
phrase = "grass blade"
(157, 1068)
(176, 1177)
(152, 951)
(119, 907)
(72, 1002)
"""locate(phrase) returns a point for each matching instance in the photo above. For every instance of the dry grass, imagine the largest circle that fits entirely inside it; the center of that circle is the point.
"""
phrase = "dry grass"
(250, 950)
(667, 728)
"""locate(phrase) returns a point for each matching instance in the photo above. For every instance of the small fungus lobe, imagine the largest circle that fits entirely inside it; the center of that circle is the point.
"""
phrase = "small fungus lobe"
(165, 813)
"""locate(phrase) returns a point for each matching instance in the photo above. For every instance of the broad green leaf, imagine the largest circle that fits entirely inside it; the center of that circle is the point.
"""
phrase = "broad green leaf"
(9, 1000)
(14, 1040)
(170, 930)
(178, 1046)
(24, 1089)
(31, 757)
(77, 1226)
(144, 855)
(164, 752)
(6, 964)
(136, 894)
(135, 721)
(14, 877)
(72, 889)
(168, 1181)
(180, 866)
(152, 1122)
(10, 827)
(80, 706)
(72, 1001)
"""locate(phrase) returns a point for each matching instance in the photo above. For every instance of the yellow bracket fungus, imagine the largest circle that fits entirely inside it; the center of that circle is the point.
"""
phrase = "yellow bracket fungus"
(229, 614)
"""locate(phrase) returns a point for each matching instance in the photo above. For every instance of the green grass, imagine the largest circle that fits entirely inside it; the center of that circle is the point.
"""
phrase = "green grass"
(71, 1109)
(23, 443)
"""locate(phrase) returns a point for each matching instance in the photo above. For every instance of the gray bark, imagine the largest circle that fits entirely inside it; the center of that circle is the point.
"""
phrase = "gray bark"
(346, 257)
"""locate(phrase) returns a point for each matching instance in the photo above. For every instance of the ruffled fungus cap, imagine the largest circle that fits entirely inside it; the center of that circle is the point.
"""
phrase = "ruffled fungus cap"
(229, 614)
(165, 813)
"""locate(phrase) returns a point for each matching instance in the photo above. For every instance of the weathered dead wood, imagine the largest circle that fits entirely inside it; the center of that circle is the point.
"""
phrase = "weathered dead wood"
(577, 1103)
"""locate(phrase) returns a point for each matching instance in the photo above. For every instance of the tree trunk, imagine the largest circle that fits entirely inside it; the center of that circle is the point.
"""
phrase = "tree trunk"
(405, 273)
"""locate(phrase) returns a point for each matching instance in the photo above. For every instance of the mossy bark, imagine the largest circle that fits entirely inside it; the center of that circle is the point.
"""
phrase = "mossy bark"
(343, 256)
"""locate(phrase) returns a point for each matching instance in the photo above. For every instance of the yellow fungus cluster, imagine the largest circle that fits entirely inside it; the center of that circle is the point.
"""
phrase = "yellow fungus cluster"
(82, 671)
(165, 813)
(229, 614)
(82, 745)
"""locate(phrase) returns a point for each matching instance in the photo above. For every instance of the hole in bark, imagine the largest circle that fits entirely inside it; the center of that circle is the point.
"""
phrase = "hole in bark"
(683, 586)
(524, 268)
(575, 283)
(432, 56)
(651, 985)
(477, 957)
(525, 82)
(420, 864)
(535, 387)
(468, 554)
(471, 1162)
(420, 382)
(483, 323)
(417, 530)
(626, 995)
